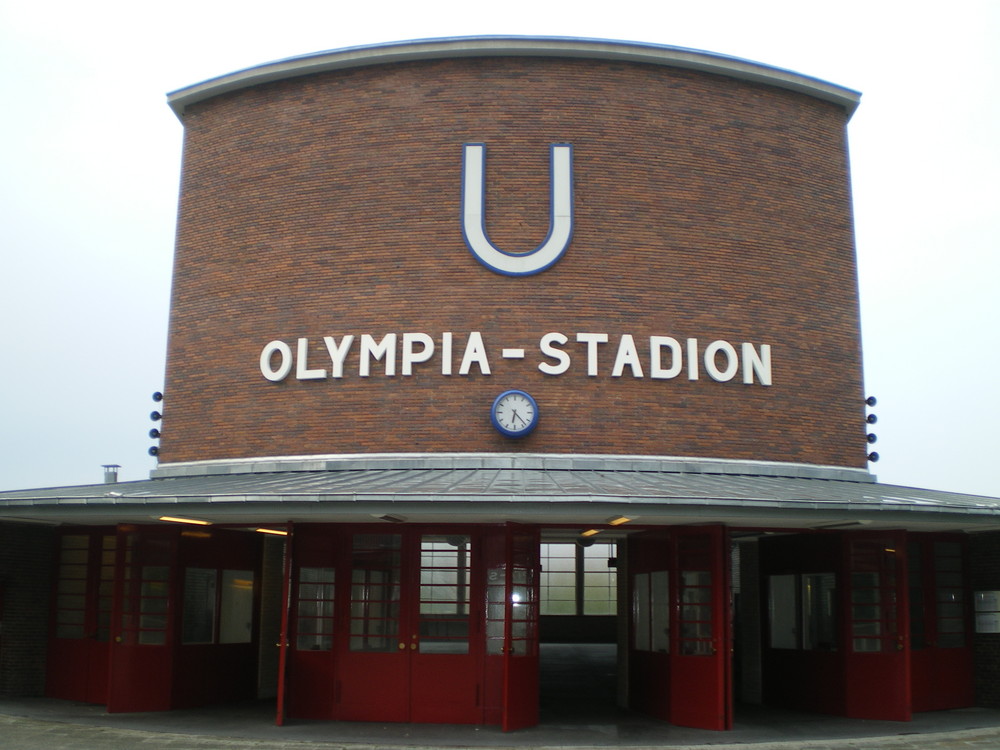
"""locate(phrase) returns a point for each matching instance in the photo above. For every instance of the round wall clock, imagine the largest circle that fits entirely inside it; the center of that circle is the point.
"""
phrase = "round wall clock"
(514, 413)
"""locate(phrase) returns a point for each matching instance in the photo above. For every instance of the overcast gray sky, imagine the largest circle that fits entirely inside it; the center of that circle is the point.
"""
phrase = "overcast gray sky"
(91, 154)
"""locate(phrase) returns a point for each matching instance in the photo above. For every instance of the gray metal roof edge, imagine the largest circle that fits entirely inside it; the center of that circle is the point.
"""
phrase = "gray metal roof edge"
(494, 46)
(980, 518)
(522, 461)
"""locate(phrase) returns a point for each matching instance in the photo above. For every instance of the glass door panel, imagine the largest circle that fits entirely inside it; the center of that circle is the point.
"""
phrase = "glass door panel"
(376, 564)
(444, 594)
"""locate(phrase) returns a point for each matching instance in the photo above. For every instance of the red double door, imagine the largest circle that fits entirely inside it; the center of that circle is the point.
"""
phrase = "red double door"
(680, 642)
(112, 612)
(414, 625)
(79, 642)
(909, 645)
(124, 604)
(866, 624)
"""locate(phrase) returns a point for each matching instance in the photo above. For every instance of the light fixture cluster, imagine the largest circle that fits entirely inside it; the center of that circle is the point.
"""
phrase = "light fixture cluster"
(202, 522)
(154, 433)
(179, 519)
(871, 419)
(586, 537)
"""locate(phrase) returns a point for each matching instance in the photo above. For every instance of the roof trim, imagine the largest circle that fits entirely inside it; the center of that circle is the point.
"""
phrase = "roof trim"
(510, 46)
(524, 461)
(587, 492)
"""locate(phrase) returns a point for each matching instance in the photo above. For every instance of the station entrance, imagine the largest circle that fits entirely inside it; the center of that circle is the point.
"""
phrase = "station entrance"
(454, 623)
(428, 626)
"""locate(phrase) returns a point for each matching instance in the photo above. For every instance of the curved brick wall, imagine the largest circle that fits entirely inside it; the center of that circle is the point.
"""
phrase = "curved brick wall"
(705, 207)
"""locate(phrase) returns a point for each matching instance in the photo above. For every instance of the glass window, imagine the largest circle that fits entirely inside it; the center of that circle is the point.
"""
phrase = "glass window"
(819, 621)
(782, 611)
(558, 580)
(444, 594)
(375, 581)
(578, 580)
(199, 605)
(315, 609)
(659, 624)
(949, 596)
(153, 603)
(71, 586)
(641, 640)
(600, 580)
(236, 607)
(651, 611)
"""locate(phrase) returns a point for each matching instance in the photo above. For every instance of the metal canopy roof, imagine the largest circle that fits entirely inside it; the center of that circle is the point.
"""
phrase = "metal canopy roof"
(507, 46)
(575, 491)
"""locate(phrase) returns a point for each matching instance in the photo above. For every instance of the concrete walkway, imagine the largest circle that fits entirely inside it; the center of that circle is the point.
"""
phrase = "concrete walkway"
(46, 724)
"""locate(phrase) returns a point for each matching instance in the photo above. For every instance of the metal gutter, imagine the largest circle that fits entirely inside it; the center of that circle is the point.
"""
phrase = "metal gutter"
(512, 46)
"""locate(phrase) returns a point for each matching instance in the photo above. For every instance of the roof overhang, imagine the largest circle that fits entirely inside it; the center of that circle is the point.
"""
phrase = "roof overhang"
(486, 488)
(513, 46)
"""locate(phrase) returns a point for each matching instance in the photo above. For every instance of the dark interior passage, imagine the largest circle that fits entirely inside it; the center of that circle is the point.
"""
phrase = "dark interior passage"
(578, 682)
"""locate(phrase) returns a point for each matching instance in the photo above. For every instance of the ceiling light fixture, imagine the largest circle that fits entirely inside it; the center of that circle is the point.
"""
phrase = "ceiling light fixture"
(618, 520)
(277, 532)
(177, 519)
(842, 524)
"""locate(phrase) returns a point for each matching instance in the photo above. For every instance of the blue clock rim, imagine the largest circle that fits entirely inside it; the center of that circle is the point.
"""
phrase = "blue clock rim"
(514, 433)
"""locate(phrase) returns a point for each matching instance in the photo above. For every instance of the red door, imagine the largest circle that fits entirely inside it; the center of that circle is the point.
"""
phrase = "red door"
(408, 648)
(77, 661)
(446, 664)
(512, 563)
(142, 626)
(941, 659)
(701, 660)
(877, 659)
(307, 689)
(520, 642)
(649, 561)
(373, 650)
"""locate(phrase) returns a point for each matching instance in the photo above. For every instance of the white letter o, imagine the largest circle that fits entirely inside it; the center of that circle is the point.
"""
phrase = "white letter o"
(284, 368)
(732, 365)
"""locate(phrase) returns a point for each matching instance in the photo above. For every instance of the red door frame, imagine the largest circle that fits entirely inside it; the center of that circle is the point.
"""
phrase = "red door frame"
(520, 650)
(372, 680)
(701, 694)
(875, 624)
(78, 666)
(283, 637)
(942, 676)
(141, 655)
(690, 684)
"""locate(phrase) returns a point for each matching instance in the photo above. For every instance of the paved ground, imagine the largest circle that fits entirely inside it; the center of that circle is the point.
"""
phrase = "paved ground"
(44, 724)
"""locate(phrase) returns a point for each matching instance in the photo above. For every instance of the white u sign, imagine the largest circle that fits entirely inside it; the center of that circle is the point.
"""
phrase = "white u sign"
(560, 214)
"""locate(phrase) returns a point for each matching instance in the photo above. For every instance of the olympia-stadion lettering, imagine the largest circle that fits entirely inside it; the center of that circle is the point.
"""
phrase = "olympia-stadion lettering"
(658, 357)
(664, 358)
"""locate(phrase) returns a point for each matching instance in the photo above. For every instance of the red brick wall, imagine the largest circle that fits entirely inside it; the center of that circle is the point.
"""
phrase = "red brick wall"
(705, 207)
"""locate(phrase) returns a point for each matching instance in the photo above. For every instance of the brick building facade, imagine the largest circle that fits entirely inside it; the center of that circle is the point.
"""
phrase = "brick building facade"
(655, 256)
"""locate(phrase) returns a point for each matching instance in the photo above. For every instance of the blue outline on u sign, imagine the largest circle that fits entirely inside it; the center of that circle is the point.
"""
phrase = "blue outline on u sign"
(560, 213)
